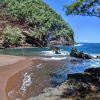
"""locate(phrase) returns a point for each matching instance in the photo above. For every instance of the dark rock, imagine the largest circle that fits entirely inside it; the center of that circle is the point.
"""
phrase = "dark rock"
(93, 71)
(84, 85)
(55, 49)
(98, 57)
(68, 92)
(75, 53)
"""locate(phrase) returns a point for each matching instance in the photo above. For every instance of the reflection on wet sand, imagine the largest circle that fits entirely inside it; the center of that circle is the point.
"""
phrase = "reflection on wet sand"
(33, 80)
(30, 76)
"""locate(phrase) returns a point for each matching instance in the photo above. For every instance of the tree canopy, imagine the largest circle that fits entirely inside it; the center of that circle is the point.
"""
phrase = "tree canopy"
(84, 8)
(42, 18)
(12, 36)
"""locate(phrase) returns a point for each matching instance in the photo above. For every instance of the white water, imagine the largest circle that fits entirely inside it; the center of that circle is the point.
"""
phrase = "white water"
(53, 58)
(77, 45)
(51, 53)
(26, 82)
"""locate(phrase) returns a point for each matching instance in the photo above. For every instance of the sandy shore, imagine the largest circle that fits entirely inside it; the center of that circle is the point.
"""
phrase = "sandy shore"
(12, 69)
(8, 59)
(10, 65)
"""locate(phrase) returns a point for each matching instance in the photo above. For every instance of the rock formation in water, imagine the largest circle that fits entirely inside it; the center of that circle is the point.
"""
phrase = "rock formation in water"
(75, 53)
(84, 86)
(79, 86)
(38, 23)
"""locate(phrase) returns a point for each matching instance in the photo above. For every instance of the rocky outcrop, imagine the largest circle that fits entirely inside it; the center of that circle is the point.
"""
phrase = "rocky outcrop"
(55, 49)
(79, 86)
(84, 86)
(60, 40)
(42, 31)
(75, 53)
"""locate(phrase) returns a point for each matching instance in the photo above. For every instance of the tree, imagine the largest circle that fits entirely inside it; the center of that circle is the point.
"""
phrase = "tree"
(12, 36)
(84, 8)
(41, 19)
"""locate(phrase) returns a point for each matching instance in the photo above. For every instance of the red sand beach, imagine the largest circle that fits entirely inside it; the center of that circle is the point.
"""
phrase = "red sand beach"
(10, 65)
(12, 69)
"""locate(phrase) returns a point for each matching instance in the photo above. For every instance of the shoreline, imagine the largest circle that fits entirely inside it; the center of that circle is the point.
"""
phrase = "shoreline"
(9, 69)
(10, 73)
(78, 86)
(12, 67)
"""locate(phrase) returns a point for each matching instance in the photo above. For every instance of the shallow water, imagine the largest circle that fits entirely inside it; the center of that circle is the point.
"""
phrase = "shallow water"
(73, 66)
(32, 81)
(91, 48)
(51, 71)
(47, 73)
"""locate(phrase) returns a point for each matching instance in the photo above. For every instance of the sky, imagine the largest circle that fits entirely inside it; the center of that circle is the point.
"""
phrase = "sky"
(86, 28)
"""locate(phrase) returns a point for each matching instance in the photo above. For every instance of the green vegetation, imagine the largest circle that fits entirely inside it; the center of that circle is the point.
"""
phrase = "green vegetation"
(84, 7)
(42, 18)
(12, 36)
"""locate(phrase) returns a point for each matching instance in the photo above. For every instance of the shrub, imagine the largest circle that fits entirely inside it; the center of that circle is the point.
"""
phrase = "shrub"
(12, 36)
(44, 20)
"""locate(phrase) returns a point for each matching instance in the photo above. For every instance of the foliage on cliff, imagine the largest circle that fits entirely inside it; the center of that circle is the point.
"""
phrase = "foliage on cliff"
(41, 19)
(84, 7)
(12, 36)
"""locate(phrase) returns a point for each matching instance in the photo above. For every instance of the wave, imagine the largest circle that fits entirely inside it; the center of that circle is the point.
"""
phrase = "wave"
(95, 63)
(95, 55)
(26, 82)
(51, 53)
(54, 58)
(77, 45)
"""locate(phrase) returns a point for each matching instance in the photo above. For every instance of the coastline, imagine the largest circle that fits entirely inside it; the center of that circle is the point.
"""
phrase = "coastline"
(8, 69)
(13, 67)
(12, 73)
(78, 86)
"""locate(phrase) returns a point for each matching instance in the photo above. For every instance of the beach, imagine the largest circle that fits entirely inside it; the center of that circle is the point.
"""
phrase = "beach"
(24, 77)
(29, 77)
(10, 65)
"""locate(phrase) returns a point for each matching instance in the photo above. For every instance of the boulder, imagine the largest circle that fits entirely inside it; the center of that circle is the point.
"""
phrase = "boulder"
(75, 53)
(55, 49)
(84, 85)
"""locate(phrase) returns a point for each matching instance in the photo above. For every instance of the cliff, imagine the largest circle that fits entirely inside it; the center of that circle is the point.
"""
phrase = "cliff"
(32, 23)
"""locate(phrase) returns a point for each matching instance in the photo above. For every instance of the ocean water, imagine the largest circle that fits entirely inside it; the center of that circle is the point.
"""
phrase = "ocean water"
(50, 67)
(74, 65)
(90, 48)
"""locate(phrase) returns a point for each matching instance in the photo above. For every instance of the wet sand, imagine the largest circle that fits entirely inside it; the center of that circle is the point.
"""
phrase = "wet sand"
(10, 65)
(12, 70)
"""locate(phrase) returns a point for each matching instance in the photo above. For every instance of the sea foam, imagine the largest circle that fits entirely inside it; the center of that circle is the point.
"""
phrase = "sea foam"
(26, 82)
(51, 53)
(53, 58)
(77, 45)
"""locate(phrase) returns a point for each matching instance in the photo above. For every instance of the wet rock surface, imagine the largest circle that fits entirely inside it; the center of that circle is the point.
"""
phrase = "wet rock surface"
(75, 53)
(79, 86)
(84, 86)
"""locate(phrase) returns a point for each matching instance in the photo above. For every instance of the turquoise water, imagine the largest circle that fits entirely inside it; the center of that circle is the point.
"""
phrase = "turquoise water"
(50, 66)
(91, 48)
(72, 65)
(23, 51)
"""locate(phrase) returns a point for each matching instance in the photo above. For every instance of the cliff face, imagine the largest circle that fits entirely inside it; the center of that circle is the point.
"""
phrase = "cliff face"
(38, 23)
